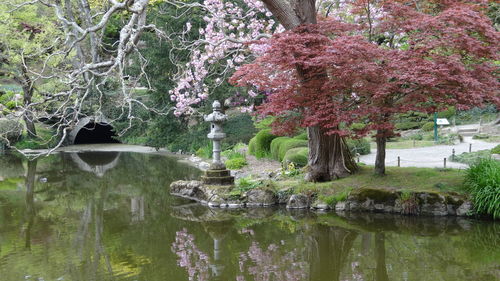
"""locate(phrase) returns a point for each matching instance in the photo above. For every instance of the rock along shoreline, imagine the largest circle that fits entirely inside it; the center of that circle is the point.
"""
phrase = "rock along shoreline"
(359, 200)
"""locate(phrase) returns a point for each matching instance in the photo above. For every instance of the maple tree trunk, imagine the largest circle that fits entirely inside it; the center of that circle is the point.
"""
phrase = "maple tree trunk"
(329, 156)
(380, 157)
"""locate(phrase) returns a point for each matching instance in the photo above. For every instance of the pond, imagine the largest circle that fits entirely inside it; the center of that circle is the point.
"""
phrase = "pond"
(108, 216)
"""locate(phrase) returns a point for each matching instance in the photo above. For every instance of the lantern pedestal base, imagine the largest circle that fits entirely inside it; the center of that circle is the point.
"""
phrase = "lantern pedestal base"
(218, 177)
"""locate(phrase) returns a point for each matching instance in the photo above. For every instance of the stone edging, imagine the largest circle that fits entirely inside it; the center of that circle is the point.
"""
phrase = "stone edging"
(364, 200)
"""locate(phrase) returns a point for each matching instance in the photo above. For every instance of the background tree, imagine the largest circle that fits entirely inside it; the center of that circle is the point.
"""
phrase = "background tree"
(93, 80)
(27, 41)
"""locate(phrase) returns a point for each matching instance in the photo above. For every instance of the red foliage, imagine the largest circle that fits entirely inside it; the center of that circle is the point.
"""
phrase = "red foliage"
(329, 75)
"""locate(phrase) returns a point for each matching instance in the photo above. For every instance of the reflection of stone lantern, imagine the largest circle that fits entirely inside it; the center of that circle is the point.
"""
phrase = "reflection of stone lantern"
(217, 175)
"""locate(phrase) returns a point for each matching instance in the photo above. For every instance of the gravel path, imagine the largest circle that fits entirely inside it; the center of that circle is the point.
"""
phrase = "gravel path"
(431, 157)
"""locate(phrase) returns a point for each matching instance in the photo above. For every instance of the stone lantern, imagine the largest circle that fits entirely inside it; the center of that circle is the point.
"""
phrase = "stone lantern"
(217, 174)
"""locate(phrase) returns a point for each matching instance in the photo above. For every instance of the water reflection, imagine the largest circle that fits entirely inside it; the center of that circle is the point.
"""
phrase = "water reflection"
(97, 163)
(60, 220)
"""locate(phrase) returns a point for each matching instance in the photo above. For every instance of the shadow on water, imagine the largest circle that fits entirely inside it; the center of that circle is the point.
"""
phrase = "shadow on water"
(108, 216)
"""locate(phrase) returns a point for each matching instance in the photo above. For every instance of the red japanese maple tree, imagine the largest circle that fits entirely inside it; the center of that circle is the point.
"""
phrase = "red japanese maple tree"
(333, 74)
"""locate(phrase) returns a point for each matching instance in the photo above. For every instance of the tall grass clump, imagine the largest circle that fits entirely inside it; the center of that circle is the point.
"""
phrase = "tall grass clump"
(482, 180)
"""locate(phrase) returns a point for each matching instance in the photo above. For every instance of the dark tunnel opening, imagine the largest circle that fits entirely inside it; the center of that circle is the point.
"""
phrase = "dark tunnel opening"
(96, 133)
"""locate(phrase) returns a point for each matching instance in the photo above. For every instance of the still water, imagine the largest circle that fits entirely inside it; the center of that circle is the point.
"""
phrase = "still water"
(108, 216)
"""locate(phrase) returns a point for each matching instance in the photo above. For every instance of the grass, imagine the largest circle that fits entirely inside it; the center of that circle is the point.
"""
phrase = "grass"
(483, 182)
(408, 179)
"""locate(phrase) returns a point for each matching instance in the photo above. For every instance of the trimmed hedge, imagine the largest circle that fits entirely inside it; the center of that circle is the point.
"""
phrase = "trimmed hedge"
(427, 127)
(275, 146)
(280, 145)
(290, 144)
(260, 145)
(408, 125)
(297, 156)
(302, 136)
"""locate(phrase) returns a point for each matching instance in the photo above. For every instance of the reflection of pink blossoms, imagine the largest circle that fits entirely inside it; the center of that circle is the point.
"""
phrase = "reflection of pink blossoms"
(190, 257)
(273, 263)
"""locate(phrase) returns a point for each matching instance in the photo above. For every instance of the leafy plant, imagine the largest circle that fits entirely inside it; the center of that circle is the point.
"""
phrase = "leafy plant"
(236, 163)
(409, 202)
(205, 151)
(291, 170)
(338, 197)
(483, 183)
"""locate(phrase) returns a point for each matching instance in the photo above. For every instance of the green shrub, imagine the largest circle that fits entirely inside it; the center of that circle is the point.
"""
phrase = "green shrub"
(427, 127)
(236, 163)
(8, 96)
(298, 156)
(302, 136)
(417, 136)
(471, 157)
(10, 130)
(408, 125)
(483, 182)
(289, 144)
(11, 105)
(496, 150)
(205, 151)
(252, 146)
(275, 146)
(450, 139)
(260, 145)
(480, 137)
(361, 146)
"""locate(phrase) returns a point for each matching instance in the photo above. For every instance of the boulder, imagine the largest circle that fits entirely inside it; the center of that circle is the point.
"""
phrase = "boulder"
(465, 209)
(261, 197)
(298, 201)
(319, 204)
(189, 189)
